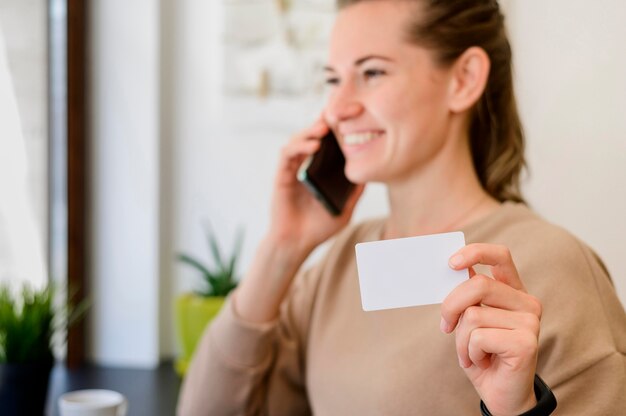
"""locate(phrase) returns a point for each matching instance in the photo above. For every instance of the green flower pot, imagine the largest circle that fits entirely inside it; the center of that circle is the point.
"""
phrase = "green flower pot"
(193, 313)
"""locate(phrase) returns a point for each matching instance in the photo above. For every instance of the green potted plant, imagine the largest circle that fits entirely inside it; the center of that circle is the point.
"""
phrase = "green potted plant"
(29, 320)
(195, 310)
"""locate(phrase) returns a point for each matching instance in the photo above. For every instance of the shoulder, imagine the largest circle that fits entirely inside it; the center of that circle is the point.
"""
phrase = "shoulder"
(561, 270)
(533, 241)
(555, 266)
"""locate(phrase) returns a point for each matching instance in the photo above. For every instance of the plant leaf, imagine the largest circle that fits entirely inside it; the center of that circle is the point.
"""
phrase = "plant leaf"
(215, 249)
(220, 280)
(197, 264)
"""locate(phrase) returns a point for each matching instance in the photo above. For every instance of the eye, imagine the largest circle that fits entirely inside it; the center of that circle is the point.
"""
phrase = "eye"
(373, 73)
(331, 81)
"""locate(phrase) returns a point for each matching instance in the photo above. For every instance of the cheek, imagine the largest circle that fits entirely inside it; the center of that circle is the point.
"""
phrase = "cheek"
(417, 98)
(395, 109)
(417, 127)
(421, 110)
(412, 117)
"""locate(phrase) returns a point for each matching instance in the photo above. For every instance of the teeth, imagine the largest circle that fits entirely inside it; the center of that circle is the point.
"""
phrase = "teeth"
(360, 138)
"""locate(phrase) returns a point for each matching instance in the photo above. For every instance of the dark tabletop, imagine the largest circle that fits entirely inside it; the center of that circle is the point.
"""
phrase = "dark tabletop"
(149, 392)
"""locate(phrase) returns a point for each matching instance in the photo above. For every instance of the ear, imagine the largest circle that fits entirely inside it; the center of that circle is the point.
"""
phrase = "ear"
(468, 79)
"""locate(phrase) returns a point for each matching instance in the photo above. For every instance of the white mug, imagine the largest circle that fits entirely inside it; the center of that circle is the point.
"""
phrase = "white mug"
(93, 403)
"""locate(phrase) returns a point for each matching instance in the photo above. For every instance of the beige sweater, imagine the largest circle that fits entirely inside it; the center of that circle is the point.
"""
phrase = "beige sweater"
(326, 356)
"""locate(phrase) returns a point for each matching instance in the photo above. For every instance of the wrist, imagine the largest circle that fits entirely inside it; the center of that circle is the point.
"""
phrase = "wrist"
(267, 281)
(529, 404)
(286, 250)
(544, 398)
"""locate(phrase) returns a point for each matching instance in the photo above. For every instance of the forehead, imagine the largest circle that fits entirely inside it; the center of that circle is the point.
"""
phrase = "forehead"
(371, 27)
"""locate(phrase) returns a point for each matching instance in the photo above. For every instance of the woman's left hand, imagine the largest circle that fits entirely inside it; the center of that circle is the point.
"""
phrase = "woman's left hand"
(497, 329)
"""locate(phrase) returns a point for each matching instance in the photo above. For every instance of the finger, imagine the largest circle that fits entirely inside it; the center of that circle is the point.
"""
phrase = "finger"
(482, 290)
(517, 348)
(497, 256)
(485, 317)
(302, 145)
(299, 149)
(321, 119)
(314, 132)
(291, 157)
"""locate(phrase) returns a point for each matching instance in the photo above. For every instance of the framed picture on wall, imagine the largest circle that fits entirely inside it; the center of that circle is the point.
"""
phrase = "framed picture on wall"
(273, 54)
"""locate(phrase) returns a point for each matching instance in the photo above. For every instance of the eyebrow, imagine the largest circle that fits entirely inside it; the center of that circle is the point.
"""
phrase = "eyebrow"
(362, 60)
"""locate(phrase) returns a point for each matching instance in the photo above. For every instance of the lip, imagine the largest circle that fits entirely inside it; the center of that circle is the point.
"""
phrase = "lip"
(345, 132)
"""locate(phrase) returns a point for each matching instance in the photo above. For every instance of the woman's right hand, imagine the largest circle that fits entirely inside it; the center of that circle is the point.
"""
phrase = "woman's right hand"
(297, 218)
(298, 224)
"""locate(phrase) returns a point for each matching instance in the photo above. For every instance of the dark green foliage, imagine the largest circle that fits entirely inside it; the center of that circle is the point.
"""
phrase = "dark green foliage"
(26, 326)
(221, 279)
(31, 321)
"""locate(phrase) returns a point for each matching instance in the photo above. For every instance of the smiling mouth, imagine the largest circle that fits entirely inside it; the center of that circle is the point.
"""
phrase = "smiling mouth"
(354, 139)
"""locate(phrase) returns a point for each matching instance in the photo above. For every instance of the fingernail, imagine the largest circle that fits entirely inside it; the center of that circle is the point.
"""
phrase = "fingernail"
(456, 261)
(463, 364)
(444, 326)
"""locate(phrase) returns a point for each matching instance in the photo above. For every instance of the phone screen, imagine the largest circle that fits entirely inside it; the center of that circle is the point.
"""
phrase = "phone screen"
(323, 174)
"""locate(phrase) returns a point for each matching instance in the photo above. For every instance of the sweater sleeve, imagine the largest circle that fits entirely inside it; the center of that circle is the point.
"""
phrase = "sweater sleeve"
(241, 368)
(582, 353)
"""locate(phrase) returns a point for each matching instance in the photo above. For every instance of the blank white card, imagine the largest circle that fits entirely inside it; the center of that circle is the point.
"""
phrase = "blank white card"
(408, 271)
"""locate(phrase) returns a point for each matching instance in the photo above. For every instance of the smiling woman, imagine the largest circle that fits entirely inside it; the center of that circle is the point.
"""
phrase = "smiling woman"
(423, 104)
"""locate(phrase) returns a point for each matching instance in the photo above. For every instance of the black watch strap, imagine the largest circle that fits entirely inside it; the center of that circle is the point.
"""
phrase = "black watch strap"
(546, 402)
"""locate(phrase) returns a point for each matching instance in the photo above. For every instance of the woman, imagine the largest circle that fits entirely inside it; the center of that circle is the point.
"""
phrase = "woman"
(422, 100)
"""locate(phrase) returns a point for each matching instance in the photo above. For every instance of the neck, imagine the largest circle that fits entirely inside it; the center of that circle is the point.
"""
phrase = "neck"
(444, 196)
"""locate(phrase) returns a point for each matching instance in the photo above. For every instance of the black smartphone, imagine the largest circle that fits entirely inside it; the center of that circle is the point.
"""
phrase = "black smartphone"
(323, 175)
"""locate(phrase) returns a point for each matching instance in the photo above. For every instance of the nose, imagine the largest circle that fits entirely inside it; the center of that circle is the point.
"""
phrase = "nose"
(343, 104)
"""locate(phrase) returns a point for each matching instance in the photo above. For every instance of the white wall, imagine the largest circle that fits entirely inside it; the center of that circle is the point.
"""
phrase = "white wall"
(571, 84)
(124, 153)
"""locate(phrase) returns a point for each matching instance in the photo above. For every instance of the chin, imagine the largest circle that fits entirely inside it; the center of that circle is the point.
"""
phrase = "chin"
(361, 174)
